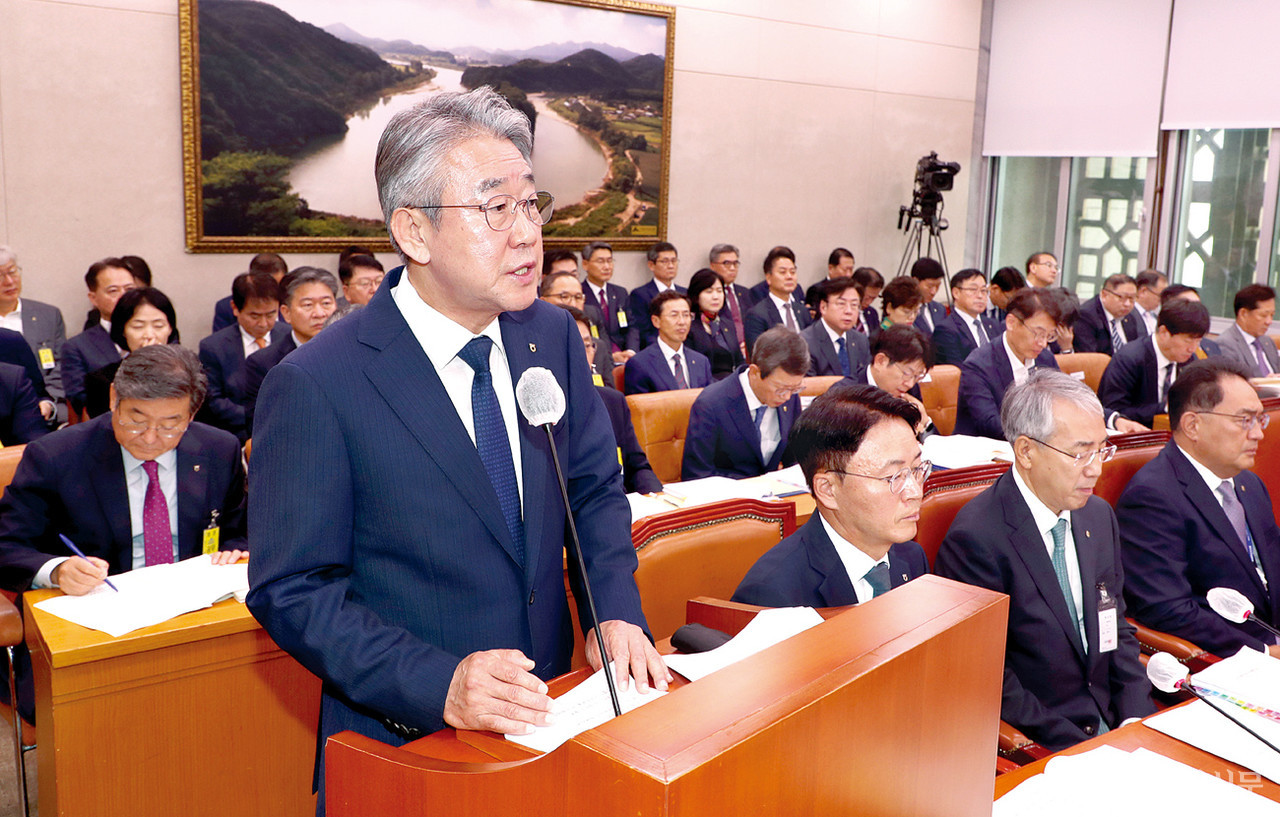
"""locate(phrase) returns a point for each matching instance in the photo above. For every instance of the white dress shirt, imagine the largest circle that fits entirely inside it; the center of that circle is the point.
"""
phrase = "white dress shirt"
(669, 354)
(1021, 368)
(770, 428)
(973, 330)
(1162, 364)
(14, 319)
(250, 343)
(784, 309)
(1148, 318)
(856, 563)
(1045, 520)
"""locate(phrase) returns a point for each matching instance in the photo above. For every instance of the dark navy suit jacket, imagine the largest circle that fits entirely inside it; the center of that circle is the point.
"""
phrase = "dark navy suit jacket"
(1054, 689)
(637, 474)
(380, 554)
(722, 439)
(937, 311)
(72, 482)
(642, 333)
(222, 314)
(1178, 545)
(222, 354)
(765, 315)
(824, 360)
(760, 291)
(1131, 383)
(20, 417)
(615, 330)
(985, 376)
(804, 570)
(953, 340)
(256, 367)
(648, 371)
(1093, 328)
(87, 352)
(721, 348)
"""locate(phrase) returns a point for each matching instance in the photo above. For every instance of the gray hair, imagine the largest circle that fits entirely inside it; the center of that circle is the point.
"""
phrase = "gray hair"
(299, 276)
(410, 164)
(161, 372)
(593, 247)
(719, 250)
(1027, 410)
(781, 348)
(7, 254)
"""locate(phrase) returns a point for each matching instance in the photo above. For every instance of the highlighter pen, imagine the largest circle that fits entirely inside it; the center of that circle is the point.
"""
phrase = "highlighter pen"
(77, 551)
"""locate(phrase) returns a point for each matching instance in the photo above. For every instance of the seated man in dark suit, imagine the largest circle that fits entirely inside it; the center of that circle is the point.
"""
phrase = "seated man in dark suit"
(267, 262)
(835, 348)
(901, 356)
(136, 487)
(561, 288)
(725, 262)
(606, 302)
(1137, 380)
(968, 326)
(871, 282)
(669, 363)
(20, 417)
(778, 305)
(663, 263)
(40, 324)
(928, 274)
(858, 450)
(360, 276)
(1004, 285)
(1106, 320)
(1181, 292)
(1194, 518)
(1246, 341)
(255, 303)
(310, 297)
(93, 348)
(739, 426)
(1038, 534)
(637, 474)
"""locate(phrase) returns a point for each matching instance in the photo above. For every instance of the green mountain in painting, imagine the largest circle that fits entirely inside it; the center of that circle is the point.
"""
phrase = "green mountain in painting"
(586, 72)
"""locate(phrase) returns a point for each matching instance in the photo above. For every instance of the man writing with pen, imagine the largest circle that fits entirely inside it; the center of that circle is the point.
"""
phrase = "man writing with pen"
(140, 486)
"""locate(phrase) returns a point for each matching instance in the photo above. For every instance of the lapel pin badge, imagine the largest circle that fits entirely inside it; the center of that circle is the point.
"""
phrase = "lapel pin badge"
(533, 347)
(196, 467)
(1088, 535)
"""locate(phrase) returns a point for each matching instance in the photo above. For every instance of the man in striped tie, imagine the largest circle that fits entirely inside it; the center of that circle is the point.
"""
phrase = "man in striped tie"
(1106, 320)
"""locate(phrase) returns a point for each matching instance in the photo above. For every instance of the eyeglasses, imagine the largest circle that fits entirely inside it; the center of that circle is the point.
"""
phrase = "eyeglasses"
(500, 211)
(730, 264)
(1247, 421)
(367, 284)
(665, 262)
(972, 290)
(1085, 458)
(1040, 335)
(1049, 264)
(898, 481)
(12, 272)
(1125, 299)
(137, 429)
(568, 297)
(914, 377)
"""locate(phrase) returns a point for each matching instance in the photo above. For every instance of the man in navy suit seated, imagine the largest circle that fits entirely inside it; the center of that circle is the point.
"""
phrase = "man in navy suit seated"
(871, 282)
(1195, 518)
(20, 417)
(93, 348)
(968, 326)
(1039, 535)
(857, 447)
(929, 274)
(834, 347)
(725, 262)
(606, 303)
(738, 427)
(1004, 285)
(777, 305)
(664, 263)
(669, 363)
(268, 262)
(255, 303)
(1107, 323)
(1137, 380)
(901, 357)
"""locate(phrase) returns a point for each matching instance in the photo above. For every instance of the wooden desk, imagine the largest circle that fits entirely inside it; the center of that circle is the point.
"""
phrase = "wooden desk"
(1136, 736)
(202, 714)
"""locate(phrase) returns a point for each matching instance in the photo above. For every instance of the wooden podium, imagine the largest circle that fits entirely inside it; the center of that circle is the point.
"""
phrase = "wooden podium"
(200, 715)
(888, 708)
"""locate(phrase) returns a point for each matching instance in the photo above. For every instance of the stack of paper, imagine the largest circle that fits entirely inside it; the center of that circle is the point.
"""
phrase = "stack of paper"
(769, 627)
(961, 450)
(584, 707)
(151, 595)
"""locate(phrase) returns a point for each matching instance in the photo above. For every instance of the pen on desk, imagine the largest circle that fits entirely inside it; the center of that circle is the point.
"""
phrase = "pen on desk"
(77, 551)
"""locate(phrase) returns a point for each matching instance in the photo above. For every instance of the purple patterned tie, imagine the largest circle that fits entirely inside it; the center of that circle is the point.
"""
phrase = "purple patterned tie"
(157, 538)
(1263, 368)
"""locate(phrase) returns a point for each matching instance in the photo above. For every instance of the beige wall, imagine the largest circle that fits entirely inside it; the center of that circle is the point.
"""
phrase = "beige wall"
(799, 126)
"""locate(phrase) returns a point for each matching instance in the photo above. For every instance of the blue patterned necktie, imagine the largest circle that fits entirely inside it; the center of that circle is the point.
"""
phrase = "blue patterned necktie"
(843, 354)
(491, 438)
(878, 578)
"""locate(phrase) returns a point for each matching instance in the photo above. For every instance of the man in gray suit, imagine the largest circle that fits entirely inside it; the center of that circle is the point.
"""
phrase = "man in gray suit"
(39, 323)
(1246, 341)
(834, 347)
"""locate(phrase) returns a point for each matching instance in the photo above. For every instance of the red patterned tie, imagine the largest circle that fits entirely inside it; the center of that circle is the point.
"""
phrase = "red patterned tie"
(157, 538)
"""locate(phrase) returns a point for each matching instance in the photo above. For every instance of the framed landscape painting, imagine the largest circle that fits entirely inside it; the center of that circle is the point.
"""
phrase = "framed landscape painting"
(284, 101)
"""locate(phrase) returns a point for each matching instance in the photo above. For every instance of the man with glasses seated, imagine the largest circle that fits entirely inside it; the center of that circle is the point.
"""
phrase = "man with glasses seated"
(968, 326)
(739, 426)
(1040, 535)
(901, 356)
(1195, 518)
(781, 303)
(139, 486)
(561, 287)
(360, 276)
(664, 263)
(856, 445)
(1137, 380)
(1107, 321)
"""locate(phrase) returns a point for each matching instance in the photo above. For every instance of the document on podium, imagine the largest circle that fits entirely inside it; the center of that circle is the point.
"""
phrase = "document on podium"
(962, 450)
(584, 707)
(769, 627)
(150, 595)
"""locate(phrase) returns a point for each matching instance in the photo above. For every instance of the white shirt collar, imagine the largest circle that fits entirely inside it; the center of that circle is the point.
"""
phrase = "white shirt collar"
(1161, 360)
(667, 351)
(781, 304)
(665, 287)
(167, 461)
(1013, 357)
(17, 310)
(1247, 333)
(753, 402)
(856, 562)
(1044, 518)
(1211, 479)
(831, 333)
(441, 337)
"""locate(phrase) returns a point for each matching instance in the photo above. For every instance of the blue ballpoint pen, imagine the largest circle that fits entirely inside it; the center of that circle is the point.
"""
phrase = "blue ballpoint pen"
(77, 551)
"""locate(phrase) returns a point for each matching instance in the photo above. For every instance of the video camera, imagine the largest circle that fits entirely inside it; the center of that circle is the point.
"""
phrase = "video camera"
(932, 178)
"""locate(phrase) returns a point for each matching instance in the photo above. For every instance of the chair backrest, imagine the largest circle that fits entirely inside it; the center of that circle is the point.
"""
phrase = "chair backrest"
(1093, 364)
(619, 377)
(1132, 452)
(661, 420)
(1267, 463)
(702, 551)
(9, 459)
(814, 386)
(944, 495)
(940, 395)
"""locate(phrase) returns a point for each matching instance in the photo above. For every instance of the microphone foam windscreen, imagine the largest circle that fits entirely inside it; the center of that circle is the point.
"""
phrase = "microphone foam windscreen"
(1230, 604)
(540, 397)
(1165, 673)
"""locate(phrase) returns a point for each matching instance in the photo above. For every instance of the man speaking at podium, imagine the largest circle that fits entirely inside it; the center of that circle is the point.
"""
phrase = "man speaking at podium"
(408, 532)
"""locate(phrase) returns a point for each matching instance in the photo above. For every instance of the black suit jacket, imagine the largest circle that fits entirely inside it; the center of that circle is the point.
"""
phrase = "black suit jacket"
(937, 312)
(1054, 689)
(642, 333)
(985, 376)
(825, 360)
(86, 352)
(1131, 383)
(719, 346)
(1178, 545)
(20, 418)
(615, 329)
(804, 570)
(648, 372)
(765, 315)
(222, 354)
(953, 340)
(760, 291)
(1093, 328)
(637, 474)
(256, 367)
(72, 482)
(722, 439)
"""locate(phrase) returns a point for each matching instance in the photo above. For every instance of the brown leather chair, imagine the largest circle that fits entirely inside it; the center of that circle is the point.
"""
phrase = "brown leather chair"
(702, 551)
(662, 421)
(11, 635)
(619, 373)
(944, 495)
(1093, 364)
(1267, 463)
(1132, 452)
(814, 386)
(940, 395)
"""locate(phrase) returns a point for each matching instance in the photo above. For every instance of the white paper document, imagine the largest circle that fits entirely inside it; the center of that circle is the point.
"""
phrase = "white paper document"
(769, 627)
(150, 595)
(643, 505)
(962, 450)
(787, 482)
(710, 489)
(584, 707)
(1072, 785)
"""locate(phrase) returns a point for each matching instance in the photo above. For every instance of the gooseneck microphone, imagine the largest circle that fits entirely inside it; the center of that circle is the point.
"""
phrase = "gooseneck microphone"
(1168, 675)
(1232, 605)
(541, 401)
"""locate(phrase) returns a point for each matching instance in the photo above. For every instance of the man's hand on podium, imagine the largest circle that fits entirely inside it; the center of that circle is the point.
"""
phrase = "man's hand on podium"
(494, 690)
(632, 656)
